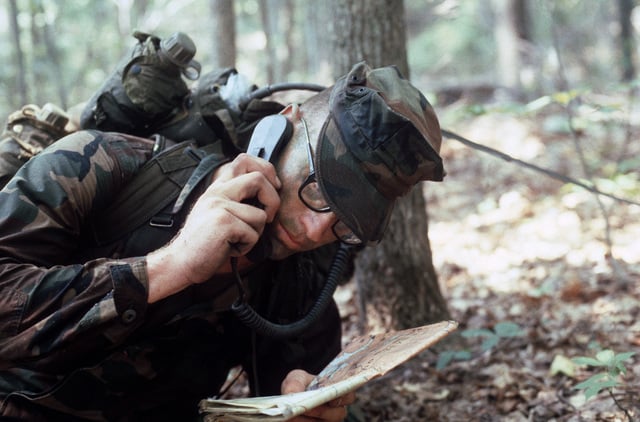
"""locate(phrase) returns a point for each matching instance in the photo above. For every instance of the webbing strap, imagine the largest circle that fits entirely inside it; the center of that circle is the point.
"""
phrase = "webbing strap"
(171, 174)
(203, 169)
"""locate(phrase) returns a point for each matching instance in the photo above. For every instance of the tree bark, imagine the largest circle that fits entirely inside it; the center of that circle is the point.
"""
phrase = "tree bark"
(317, 38)
(223, 51)
(269, 20)
(53, 54)
(289, 39)
(522, 20)
(37, 65)
(506, 34)
(397, 283)
(369, 29)
(625, 7)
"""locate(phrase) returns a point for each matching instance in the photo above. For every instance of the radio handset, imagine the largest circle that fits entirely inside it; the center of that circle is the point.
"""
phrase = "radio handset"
(268, 138)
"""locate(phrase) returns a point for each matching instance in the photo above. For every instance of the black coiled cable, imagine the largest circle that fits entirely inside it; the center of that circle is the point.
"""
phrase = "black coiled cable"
(251, 319)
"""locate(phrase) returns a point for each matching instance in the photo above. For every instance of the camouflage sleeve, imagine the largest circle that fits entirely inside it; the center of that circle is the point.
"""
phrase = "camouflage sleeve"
(48, 303)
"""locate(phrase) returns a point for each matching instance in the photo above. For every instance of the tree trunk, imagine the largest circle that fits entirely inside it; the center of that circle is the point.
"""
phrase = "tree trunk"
(625, 7)
(53, 54)
(15, 33)
(290, 41)
(506, 34)
(317, 39)
(369, 29)
(397, 284)
(522, 19)
(269, 19)
(37, 66)
(223, 51)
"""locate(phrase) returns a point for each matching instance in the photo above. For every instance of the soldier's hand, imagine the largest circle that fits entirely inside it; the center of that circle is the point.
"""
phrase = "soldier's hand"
(333, 411)
(220, 224)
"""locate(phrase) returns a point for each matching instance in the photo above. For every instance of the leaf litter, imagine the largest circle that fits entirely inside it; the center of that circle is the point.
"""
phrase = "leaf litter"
(514, 246)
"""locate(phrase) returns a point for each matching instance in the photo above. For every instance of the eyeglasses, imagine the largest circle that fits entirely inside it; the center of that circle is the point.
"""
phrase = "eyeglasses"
(312, 197)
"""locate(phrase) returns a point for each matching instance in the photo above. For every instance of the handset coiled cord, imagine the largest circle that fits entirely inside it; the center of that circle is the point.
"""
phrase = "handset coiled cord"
(249, 317)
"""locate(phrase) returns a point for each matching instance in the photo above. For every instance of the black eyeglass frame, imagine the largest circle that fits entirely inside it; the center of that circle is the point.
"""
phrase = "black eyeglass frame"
(349, 238)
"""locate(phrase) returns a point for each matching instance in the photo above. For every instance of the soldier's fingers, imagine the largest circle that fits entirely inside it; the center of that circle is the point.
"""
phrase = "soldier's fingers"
(245, 163)
(325, 413)
(345, 400)
(252, 189)
(296, 381)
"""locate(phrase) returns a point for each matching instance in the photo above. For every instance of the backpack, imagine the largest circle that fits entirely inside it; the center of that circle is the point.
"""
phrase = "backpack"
(27, 132)
(146, 94)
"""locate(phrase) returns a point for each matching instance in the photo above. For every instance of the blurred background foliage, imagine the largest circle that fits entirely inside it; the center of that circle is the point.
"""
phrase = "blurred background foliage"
(66, 48)
(567, 64)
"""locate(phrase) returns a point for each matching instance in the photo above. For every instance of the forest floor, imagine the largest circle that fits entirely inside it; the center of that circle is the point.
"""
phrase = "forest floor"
(511, 245)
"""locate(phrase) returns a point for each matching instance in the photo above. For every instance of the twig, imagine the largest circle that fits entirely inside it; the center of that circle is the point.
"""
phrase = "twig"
(626, 412)
(583, 162)
(552, 174)
(565, 400)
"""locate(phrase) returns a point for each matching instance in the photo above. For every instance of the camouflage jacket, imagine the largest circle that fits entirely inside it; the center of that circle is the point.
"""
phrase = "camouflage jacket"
(78, 340)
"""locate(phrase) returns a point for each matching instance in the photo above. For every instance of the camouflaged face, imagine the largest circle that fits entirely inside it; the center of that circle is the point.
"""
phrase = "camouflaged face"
(381, 138)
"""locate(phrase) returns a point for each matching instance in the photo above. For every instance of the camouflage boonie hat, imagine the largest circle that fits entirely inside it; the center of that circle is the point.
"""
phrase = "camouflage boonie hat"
(381, 138)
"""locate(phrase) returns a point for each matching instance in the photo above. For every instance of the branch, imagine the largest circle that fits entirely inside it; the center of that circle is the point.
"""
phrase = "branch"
(550, 173)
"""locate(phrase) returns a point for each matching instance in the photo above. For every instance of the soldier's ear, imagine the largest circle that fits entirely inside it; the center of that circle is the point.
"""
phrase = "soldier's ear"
(292, 112)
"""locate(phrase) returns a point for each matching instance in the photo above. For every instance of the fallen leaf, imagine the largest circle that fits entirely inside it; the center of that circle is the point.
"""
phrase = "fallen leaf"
(563, 365)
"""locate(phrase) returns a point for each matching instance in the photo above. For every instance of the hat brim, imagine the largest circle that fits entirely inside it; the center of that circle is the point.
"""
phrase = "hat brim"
(366, 211)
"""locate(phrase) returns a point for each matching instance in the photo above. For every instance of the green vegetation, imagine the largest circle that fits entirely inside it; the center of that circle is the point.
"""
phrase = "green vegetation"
(489, 340)
(610, 366)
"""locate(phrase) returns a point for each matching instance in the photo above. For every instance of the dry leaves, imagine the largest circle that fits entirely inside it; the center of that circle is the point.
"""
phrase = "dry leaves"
(513, 245)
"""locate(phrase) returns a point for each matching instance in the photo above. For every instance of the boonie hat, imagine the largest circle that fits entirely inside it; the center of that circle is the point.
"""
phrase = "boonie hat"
(380, 139)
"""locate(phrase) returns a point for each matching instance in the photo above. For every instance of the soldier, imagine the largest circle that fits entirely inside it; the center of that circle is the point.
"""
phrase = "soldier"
(103, 324)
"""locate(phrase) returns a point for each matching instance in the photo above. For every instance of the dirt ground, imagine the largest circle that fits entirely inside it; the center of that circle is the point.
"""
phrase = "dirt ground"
(513, 245)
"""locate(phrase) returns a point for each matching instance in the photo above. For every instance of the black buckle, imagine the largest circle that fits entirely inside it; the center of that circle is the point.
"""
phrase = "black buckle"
(161, 220)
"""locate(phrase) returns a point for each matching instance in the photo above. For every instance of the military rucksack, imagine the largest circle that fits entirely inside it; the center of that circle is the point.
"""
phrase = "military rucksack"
(146, 94)
(27, 132)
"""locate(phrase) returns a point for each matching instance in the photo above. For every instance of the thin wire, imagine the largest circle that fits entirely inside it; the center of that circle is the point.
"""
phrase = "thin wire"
(238, 279)
(550, 173)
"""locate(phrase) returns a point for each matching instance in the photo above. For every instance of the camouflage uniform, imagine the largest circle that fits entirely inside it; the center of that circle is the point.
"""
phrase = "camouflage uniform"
(77, 337)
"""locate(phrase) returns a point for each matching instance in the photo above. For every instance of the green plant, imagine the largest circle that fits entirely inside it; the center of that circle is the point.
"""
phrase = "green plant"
(490, 339)
(612, 365)
(447, 356)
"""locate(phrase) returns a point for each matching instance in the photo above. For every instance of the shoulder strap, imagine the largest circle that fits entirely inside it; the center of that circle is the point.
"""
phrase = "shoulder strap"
(171, 174)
